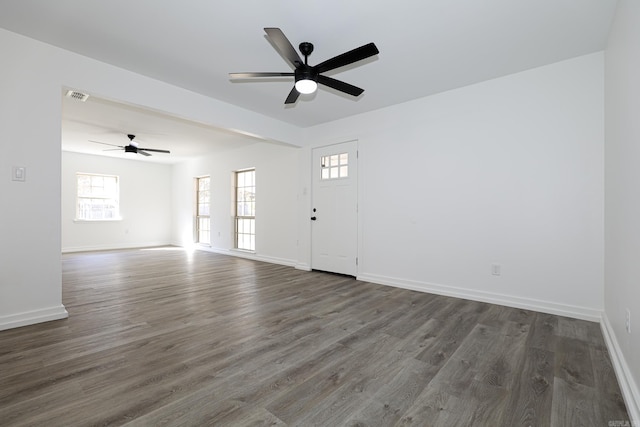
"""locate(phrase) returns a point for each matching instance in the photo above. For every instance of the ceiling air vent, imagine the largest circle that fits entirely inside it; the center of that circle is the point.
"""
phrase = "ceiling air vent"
(77, 95)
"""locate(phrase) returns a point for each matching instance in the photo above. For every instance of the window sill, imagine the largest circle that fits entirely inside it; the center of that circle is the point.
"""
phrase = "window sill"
(96, 220)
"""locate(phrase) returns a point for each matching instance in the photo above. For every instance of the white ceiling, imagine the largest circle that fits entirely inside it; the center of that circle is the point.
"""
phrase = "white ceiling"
(426, 46)
(109, 123)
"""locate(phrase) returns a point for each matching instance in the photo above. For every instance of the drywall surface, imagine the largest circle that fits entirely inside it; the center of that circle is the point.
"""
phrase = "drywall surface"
(276, 214)
(506, 172)
(30, 111)
(145, 204)
(622, 197)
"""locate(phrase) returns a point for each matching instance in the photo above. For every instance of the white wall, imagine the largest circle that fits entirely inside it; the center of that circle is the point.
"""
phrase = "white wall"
(145, 204)
(30, 109)
(508, 171)
(276, 214)
(622, 201)
(31, 84)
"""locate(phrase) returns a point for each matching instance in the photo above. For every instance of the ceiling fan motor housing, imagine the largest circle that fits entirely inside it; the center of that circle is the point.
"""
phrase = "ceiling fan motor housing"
(305, 72)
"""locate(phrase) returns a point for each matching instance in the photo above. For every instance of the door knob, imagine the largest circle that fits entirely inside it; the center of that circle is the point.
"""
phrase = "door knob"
(313, 218)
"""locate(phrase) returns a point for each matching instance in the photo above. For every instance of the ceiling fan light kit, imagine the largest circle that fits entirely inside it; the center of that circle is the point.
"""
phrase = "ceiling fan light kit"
(308, 77)
(306, 86)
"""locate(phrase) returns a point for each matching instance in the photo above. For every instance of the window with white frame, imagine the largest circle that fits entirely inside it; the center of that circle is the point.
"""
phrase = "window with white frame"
(334, 166)
(203, 203)
(98, 197)
(245, 209)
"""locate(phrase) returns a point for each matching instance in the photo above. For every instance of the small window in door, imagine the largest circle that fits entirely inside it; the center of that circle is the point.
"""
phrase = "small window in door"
(334, 166)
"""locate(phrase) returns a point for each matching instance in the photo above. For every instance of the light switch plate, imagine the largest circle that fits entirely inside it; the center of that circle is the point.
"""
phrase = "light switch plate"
(19, 173)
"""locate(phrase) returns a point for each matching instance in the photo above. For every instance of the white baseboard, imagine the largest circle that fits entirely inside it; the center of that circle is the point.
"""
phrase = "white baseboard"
(111, 247)
(584, 313)
(303, 266)
(32, 317)
(250, 255)
(230, 252)
(628, 386)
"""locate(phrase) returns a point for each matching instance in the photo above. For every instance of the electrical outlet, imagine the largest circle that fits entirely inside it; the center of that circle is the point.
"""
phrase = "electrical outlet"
(627, 322)
(496, 269)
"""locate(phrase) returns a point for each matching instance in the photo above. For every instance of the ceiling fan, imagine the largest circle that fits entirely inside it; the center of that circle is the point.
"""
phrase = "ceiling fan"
(132, 147)
(306, 76)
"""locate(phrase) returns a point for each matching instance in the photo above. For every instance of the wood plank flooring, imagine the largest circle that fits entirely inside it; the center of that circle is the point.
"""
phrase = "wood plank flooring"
(164, 337)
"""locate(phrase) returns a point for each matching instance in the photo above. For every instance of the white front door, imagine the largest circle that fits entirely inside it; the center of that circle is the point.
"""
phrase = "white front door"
(334, 216)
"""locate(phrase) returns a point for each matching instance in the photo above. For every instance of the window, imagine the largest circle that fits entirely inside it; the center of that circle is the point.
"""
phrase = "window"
(334, 166)
(245, 209)
(203, 220)
(97, 198)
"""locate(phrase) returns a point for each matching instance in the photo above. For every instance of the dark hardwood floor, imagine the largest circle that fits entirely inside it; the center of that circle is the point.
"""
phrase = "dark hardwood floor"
(166, 337)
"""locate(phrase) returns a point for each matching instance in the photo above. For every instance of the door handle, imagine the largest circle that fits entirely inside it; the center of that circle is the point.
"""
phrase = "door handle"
(313, 218)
